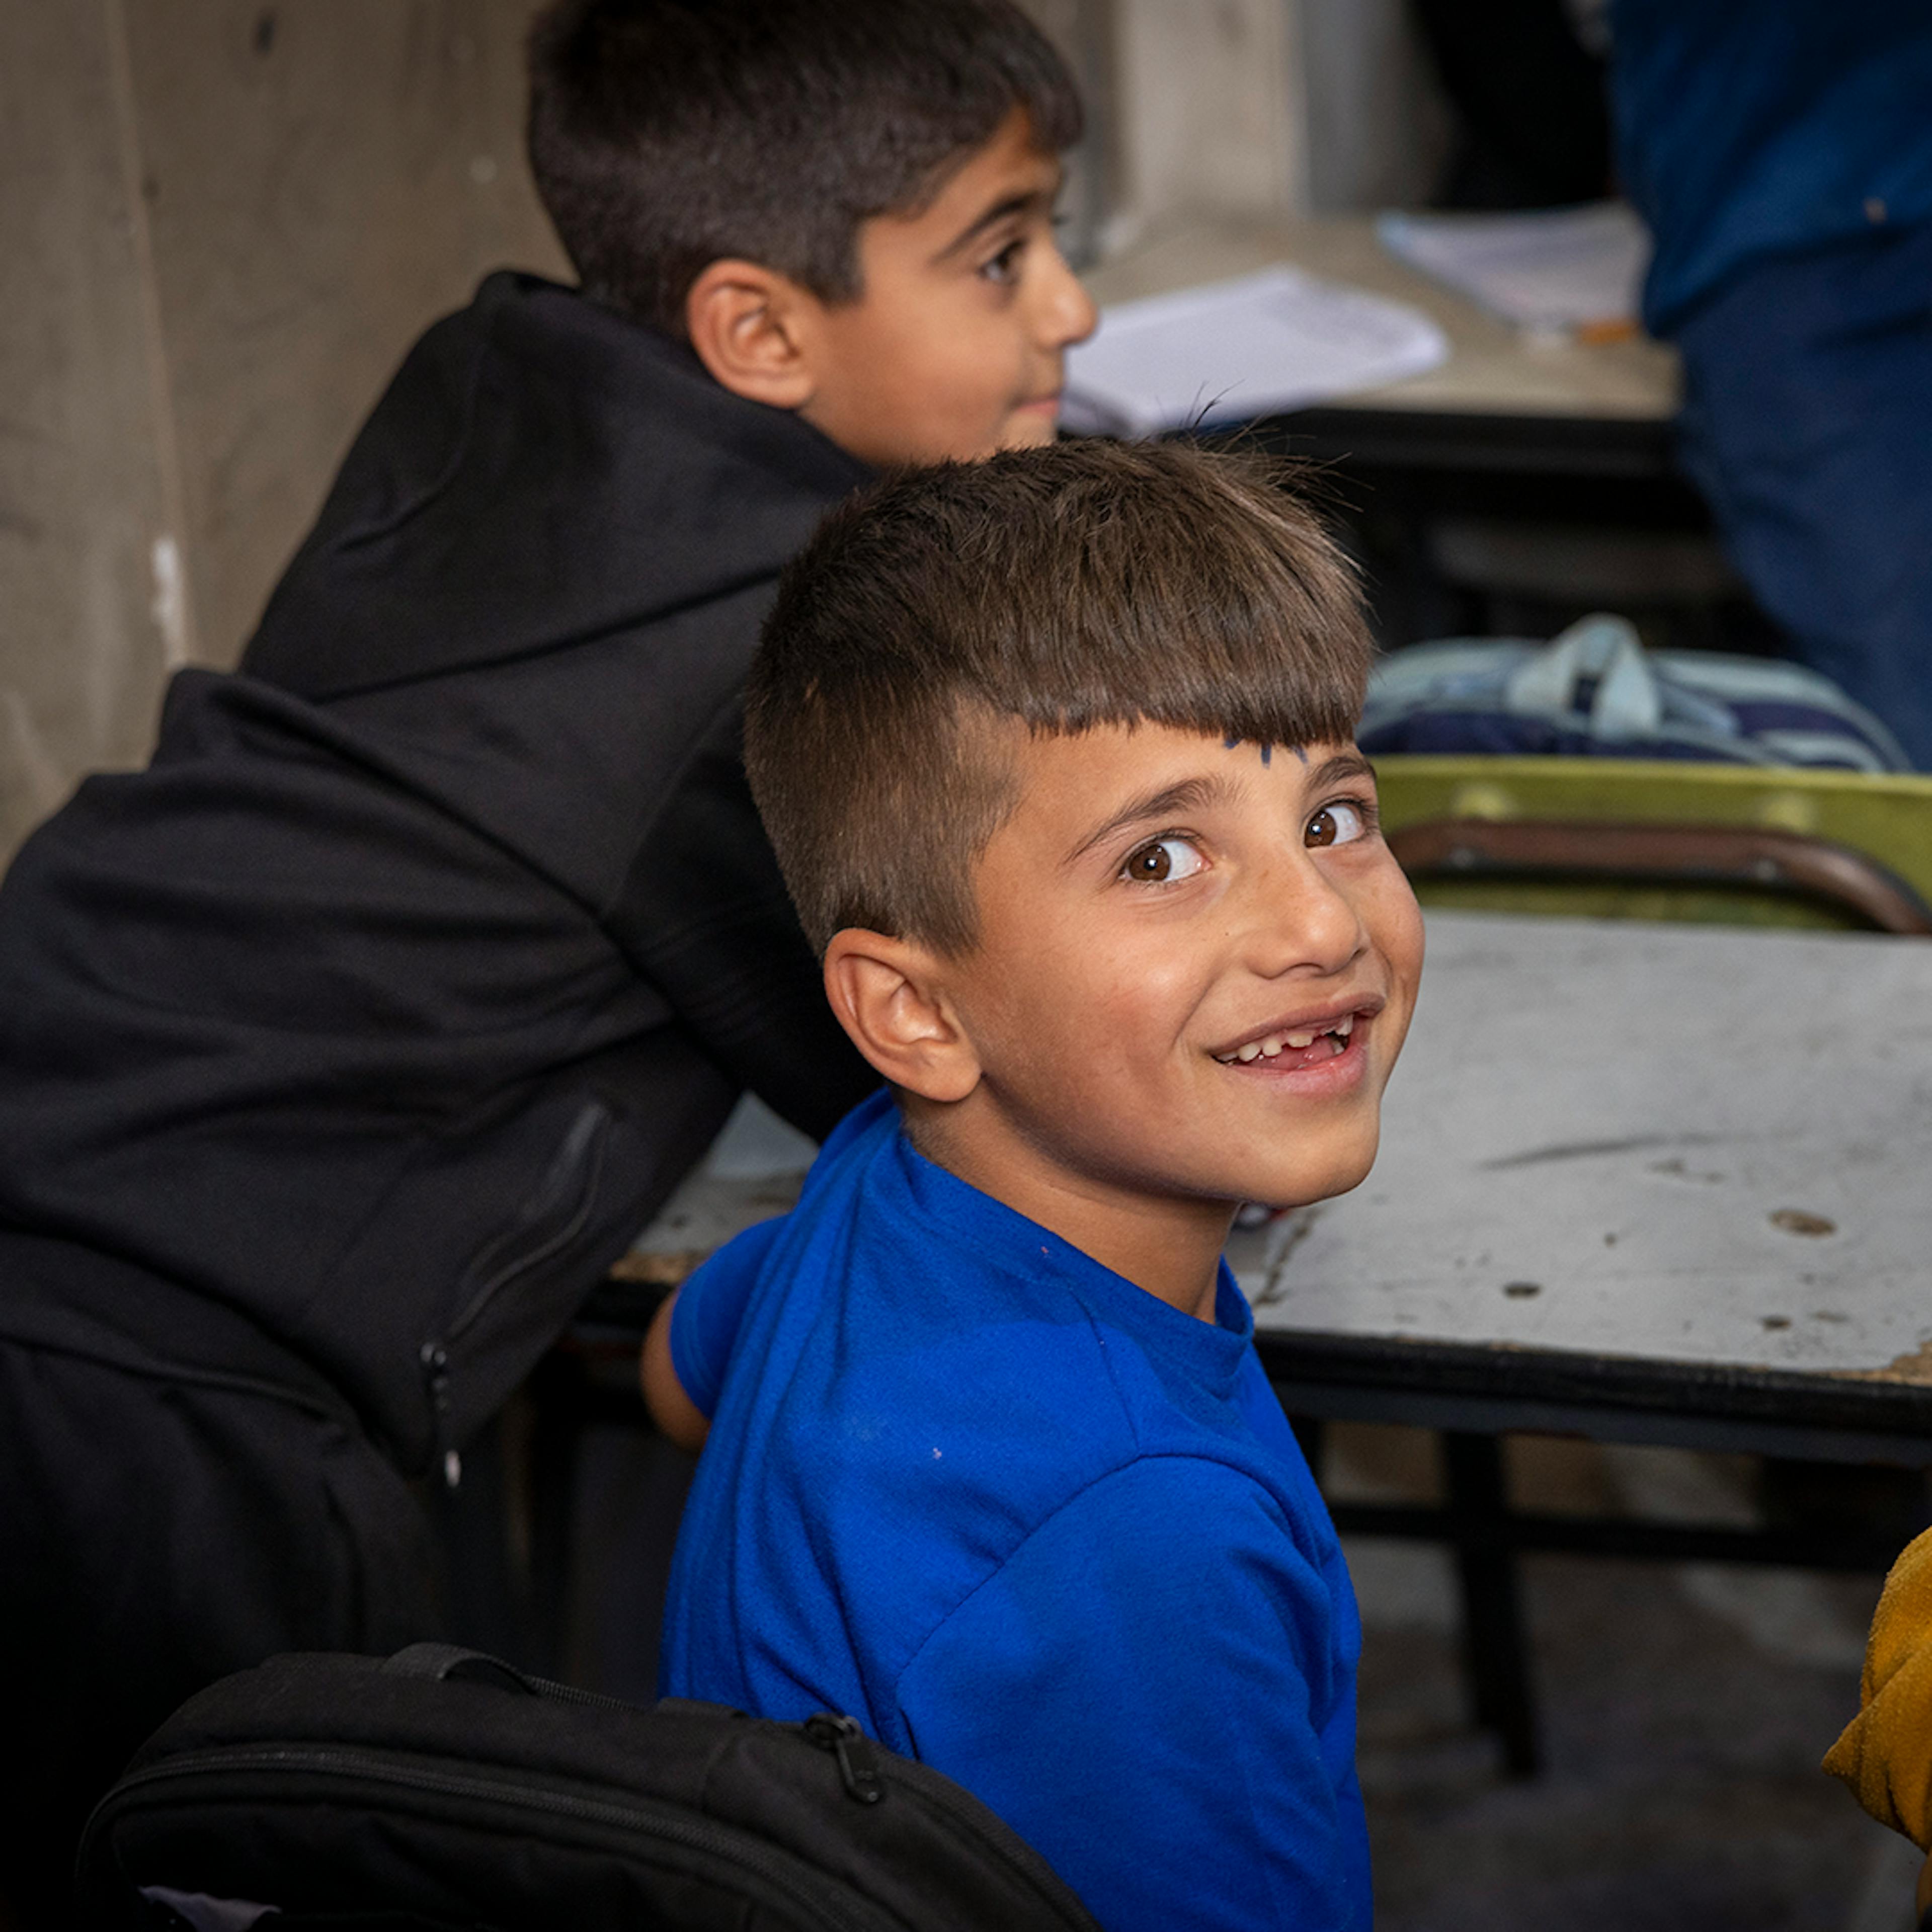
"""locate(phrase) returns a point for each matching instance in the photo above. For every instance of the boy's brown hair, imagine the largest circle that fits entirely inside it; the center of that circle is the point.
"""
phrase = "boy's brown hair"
(665, 135)
(1083, 584)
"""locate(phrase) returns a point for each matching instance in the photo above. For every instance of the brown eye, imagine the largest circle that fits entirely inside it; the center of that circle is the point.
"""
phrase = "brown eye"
(1336, 824)
(1163, 860)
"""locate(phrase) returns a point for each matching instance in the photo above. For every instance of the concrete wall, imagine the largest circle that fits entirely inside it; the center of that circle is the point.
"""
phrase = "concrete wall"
(84, 490)
(1208, 111)
(1259, 109)
(222, 222)
(1377, 123)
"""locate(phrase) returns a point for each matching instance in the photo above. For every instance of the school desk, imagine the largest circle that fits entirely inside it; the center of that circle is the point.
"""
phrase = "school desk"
(1627, 389)
(1638, 1183)
(1663, 1183)
(1521, 467)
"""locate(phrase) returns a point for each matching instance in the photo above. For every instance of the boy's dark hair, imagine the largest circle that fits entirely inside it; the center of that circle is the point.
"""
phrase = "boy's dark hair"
(1082, 584)
(665, 135)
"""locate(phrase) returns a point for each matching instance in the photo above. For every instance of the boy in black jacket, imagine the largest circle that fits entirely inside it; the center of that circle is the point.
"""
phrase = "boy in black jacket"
(342, 1049)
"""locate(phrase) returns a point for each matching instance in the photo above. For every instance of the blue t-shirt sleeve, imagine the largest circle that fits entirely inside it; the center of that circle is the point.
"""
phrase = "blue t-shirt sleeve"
(711, 1304)
(710, 1310)
(1150, 1691)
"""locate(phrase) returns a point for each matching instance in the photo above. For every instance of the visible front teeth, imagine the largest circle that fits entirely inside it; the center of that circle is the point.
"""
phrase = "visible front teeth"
(1270, 1046)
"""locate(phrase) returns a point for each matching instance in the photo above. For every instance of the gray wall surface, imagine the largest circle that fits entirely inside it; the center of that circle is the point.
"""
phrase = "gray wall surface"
(222, 222)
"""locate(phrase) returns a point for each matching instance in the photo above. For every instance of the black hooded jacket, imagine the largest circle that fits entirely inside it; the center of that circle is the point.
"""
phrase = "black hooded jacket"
(352, 1039)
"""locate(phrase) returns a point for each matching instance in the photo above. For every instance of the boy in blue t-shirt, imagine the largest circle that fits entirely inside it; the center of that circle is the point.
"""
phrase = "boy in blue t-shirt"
(1055, 753)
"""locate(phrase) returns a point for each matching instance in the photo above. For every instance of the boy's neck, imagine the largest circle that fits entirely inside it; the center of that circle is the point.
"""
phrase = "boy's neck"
(1169, 1245)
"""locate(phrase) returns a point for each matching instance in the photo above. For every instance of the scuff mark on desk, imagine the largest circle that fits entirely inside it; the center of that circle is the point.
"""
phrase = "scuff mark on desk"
(1796, 1221)
(1677, 1170)
(1296, 1230)
(1589, 1150)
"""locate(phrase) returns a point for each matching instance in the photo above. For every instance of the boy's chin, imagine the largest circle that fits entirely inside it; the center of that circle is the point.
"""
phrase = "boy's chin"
(1310, 1182)
(1030, 429)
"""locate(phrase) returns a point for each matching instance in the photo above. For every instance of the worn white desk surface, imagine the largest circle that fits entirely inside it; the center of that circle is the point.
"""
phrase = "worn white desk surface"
(1492, 369)
(1612, 1139)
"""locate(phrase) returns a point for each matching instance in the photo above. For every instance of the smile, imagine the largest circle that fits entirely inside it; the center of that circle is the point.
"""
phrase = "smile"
(1308, 1044)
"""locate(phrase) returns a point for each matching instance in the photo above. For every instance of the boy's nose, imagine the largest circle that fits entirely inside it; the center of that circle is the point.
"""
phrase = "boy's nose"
(1303, 921)
(1067, 313)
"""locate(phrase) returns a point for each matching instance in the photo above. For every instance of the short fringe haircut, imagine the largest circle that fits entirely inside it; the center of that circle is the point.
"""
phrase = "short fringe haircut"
(1087, 583)
(665, 135)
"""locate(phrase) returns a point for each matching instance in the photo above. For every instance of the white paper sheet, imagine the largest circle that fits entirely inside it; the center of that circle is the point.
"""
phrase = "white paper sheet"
(1276, 341)
(1563, 268)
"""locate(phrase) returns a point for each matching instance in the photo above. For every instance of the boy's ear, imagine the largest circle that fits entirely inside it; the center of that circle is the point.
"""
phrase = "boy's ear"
(888, 995)
(752, 328)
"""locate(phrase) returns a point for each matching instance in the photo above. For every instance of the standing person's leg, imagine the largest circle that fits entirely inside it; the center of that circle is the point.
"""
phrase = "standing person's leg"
(154, 1536)
(1807, 421)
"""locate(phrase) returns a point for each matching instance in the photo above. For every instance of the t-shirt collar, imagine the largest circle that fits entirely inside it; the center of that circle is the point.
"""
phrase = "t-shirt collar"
(1208, 1353)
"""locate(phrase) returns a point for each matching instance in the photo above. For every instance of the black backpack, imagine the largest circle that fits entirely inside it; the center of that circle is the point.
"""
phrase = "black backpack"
(443, 1790)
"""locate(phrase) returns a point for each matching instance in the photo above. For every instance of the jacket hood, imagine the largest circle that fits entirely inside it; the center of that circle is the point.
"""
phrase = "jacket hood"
(578, 472)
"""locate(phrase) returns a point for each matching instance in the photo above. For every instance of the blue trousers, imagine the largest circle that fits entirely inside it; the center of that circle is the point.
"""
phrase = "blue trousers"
(1807, 423)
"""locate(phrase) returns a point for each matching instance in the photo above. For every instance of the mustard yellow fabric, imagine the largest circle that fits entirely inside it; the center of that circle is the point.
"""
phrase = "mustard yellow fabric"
(1886, 1753)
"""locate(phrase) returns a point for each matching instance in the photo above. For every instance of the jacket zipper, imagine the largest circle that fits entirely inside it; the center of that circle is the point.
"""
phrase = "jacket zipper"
(435, 1359)
(582, 1155)
(693, 1835)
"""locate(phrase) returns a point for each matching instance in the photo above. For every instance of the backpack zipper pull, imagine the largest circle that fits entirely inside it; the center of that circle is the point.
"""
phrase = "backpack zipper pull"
(858, 1769)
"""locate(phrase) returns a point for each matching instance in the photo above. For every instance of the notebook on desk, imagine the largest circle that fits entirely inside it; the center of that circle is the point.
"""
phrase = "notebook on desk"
(1231, 351)
(1575, 270)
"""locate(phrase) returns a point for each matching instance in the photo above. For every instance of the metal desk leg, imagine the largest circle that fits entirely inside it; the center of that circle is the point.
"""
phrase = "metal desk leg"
(1494, 1652)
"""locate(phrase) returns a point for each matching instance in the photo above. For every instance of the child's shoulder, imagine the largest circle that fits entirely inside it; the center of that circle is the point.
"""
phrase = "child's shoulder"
(906, 1302)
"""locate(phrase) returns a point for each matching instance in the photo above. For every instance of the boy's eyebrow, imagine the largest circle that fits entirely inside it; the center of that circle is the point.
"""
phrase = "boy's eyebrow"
(1342, 765)
(1031, 203)
(1189, 795)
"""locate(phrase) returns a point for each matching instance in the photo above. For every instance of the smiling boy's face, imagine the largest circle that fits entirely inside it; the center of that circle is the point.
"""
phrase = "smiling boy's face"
(954, 347)
(1195, 966)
